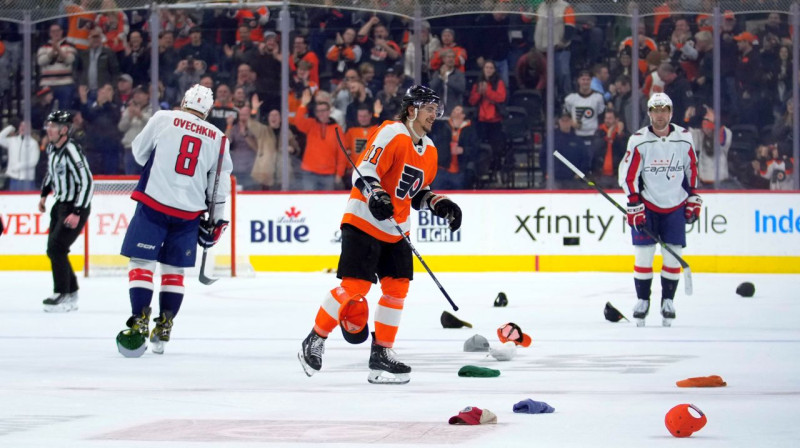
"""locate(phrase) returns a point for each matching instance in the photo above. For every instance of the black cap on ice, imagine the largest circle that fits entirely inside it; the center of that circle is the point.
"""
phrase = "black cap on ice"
(450, 321)
(746, 289)
(612, 314)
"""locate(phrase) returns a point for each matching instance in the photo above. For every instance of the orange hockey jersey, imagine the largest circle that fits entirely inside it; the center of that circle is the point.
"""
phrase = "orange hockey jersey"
(402, 169)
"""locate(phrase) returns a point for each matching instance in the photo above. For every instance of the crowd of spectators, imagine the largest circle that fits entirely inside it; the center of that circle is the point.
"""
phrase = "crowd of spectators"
(349, 69)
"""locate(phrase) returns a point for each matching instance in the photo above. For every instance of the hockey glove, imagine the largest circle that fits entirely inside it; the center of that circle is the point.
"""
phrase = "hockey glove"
(636, 216)
(380, 203)
(210, 234)
(443, 207)
(692, 211)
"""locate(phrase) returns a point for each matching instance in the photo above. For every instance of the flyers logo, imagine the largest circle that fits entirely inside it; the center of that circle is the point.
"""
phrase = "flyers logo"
(410, 182)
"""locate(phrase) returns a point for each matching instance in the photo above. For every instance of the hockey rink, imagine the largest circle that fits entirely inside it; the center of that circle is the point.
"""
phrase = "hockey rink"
(230, 375)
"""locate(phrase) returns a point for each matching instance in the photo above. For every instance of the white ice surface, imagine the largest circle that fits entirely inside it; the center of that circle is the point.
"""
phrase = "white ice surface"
(230, 376)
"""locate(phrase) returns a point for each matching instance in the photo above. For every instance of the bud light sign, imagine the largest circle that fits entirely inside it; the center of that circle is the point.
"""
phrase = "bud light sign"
(432, 229)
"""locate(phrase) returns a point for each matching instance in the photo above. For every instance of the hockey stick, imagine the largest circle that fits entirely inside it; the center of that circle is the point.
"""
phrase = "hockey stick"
(687, 273)
(397, 226)
(203, 278)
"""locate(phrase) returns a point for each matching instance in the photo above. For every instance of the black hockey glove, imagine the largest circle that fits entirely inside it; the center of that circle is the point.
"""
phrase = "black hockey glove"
(209, 234)
(380, 203)
(443, 207)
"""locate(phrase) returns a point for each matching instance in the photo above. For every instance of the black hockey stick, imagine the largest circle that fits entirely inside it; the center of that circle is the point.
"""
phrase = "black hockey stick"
(397, 226)
(203, 278)
(687, 273)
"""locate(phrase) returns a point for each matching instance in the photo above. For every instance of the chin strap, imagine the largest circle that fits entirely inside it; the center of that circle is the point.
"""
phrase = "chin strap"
(410, 125)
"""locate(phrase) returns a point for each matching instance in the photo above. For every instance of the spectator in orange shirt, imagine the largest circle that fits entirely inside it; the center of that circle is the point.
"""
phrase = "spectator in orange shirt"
(114, 24)
(345, 53)
(323, 161)
(488, 93)
(381, 51)
(299, 83)
(301, 53)
(646, 45)
(458, 143)
(80, 23)
(356, 137)
(449, 43)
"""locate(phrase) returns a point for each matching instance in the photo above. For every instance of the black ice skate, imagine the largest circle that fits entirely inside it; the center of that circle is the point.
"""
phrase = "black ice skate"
(132, 343)
(640, 311)
(667, 312)
(385, 368)
(160, 335)
(61, 302)
(310, 354)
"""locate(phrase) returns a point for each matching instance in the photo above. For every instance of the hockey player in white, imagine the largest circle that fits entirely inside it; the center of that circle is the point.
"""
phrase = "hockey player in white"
(659, 175)
(179, 151)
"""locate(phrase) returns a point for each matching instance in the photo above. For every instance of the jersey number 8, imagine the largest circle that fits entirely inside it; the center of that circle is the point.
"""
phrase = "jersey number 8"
(187, 155)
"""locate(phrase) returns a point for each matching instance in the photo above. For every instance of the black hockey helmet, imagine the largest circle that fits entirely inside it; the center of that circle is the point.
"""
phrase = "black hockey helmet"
(417, 95)
(61, 117)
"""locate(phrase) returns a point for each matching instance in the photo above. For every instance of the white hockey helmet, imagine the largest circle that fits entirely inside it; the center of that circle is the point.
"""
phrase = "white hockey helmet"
(659, 99)
(198, 98)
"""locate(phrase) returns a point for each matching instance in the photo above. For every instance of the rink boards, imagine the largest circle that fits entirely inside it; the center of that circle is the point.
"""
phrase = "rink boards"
(526, 231)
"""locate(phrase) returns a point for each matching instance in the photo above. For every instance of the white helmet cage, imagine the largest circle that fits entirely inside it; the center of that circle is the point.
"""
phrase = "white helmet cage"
(198, 98)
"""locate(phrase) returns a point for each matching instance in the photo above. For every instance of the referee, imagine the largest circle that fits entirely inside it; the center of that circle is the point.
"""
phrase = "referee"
(70, 180)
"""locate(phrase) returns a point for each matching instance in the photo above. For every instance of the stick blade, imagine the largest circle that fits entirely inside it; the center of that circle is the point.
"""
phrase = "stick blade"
(687, 280)
(203, 278)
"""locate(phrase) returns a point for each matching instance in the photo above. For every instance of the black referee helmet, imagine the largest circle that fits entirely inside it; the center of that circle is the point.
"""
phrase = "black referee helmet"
(61, 117)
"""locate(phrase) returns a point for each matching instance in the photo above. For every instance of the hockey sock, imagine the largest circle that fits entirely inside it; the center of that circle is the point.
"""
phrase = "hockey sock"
(328, 315)
(668, 287)
(390, 309)
(643, 288)
(140, 284)
(670, 273)
(171, 295)
(643, 270)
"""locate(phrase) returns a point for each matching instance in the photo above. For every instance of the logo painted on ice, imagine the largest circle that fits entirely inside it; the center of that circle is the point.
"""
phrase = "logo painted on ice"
(287, 228)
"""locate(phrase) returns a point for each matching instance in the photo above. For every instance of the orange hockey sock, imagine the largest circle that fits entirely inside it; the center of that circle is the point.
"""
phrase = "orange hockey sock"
(328, 315)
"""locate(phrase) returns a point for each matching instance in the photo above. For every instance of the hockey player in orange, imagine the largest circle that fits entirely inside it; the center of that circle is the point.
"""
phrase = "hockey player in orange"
(398, 166)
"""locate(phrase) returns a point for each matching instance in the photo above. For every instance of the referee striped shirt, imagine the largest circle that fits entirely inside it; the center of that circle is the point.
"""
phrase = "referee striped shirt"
(68, 176)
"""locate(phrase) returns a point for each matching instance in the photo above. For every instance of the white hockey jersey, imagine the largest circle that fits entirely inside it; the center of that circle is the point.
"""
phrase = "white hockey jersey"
(661, 171)
(585, 111)
(179, 152)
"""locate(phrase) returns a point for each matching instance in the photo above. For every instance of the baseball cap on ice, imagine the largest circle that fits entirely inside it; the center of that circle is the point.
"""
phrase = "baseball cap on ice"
(450, 321)
(471, 415)
(512, 332)
(476, 343)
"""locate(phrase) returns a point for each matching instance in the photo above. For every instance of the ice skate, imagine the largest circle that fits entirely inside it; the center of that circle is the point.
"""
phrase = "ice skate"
(310, 354)
(132, 343)
(385, 368)
(640, 311)
(61, 303)
(667, 312)
(160, 334)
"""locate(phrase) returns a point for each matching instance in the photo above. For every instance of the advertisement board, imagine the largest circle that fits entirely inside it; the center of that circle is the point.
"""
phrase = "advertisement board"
(530, 231)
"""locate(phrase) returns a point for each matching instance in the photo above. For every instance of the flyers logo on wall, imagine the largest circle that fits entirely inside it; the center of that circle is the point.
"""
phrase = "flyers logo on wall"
(289, 227)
